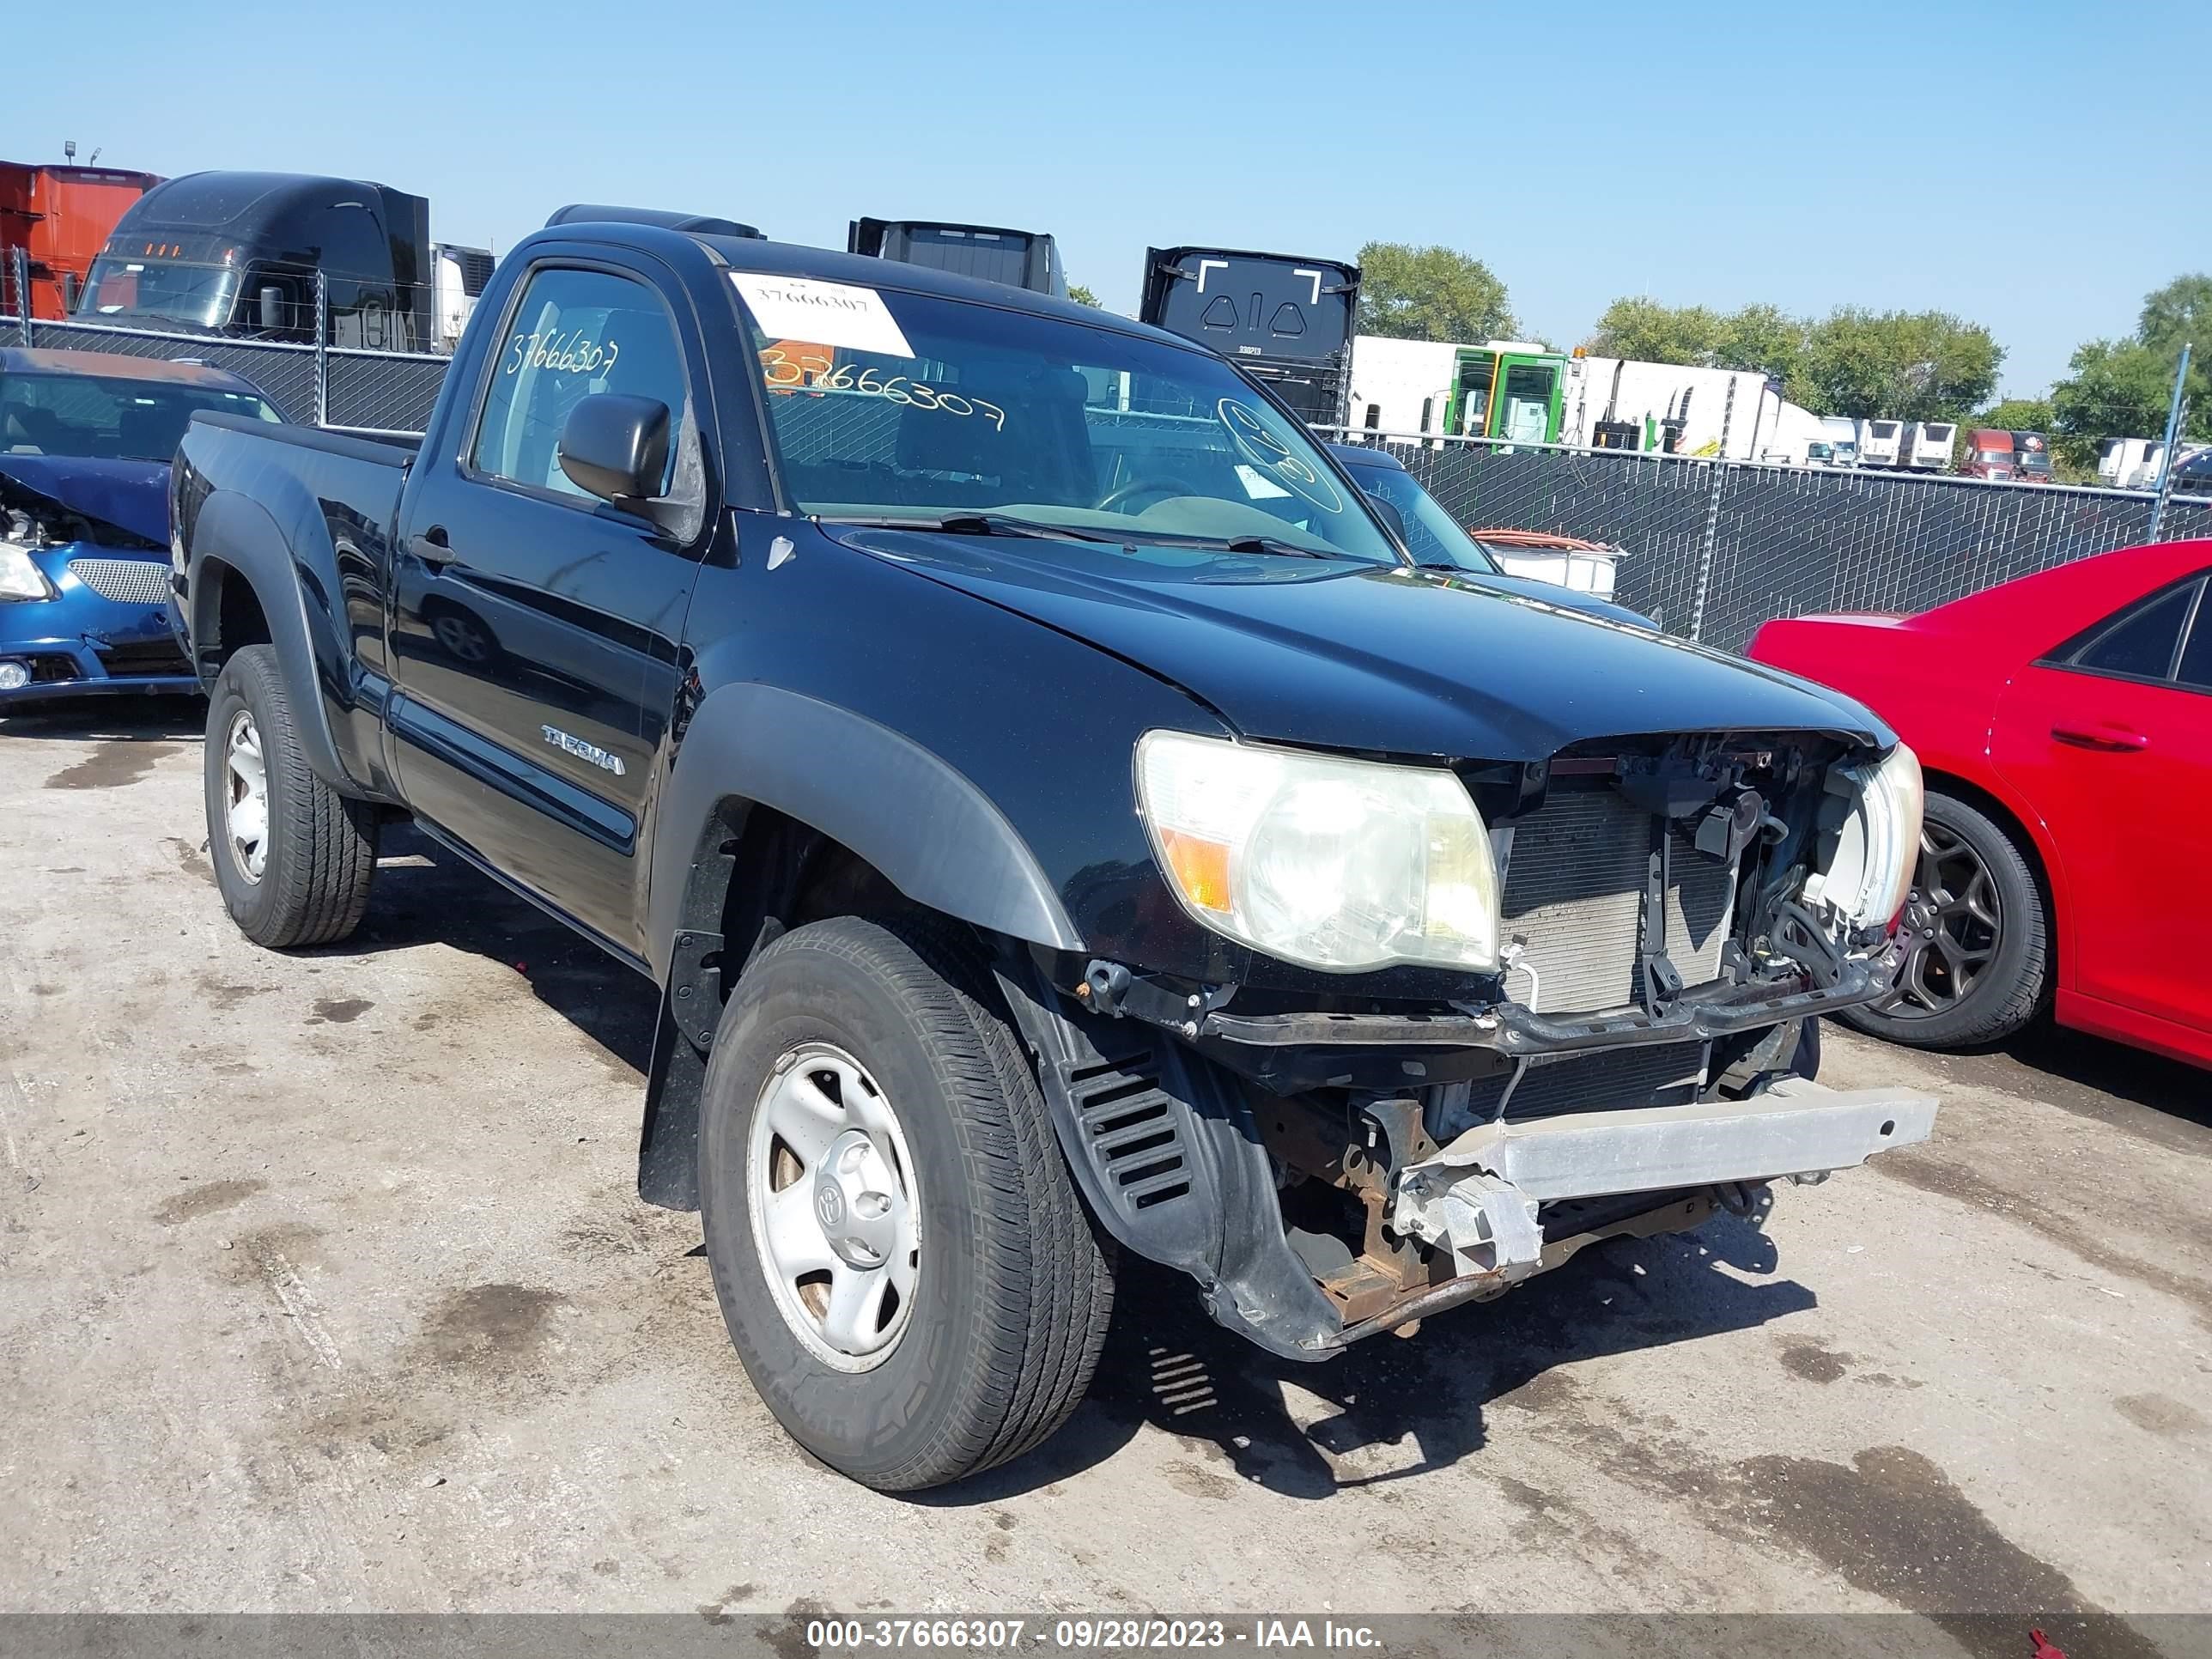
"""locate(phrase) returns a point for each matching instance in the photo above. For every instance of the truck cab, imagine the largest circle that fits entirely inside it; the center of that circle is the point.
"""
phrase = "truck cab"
(1507, 389)
(241, 254)
(1989, 455)
(1285, 319)
(59, 217)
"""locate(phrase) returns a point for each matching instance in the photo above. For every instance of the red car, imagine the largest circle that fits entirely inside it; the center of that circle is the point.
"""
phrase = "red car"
(2064, 724)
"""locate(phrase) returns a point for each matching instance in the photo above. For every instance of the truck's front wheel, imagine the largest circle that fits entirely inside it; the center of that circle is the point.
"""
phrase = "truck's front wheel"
(903, 1265)
(293, 858)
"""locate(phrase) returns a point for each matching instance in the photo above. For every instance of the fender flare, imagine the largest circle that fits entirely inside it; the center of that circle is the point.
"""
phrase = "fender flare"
(934, 835)
(236, 531)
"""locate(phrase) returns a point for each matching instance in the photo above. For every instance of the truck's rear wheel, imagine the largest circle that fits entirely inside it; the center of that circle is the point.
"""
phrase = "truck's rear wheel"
(293, 858)
(904, 1266)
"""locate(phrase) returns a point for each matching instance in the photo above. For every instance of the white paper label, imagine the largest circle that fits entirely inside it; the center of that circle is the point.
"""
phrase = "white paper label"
(1257, 487)
(822, 314)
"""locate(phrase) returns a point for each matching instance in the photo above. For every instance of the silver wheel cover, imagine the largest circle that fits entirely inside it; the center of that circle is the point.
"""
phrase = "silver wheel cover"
(835, 1212)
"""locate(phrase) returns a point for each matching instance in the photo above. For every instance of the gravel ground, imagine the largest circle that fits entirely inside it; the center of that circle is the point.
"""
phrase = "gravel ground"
(327, 1289)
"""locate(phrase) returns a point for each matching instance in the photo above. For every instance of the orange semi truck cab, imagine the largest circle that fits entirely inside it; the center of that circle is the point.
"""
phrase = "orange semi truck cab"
(60, 215)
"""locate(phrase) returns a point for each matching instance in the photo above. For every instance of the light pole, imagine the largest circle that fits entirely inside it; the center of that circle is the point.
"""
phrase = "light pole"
(2172, 431)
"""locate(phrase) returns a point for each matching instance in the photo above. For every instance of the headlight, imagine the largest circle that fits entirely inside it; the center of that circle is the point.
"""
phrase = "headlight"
(1340, 865)
(20, 579)
(1878, 844)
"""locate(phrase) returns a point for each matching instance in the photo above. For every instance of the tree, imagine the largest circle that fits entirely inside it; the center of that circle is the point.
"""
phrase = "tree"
(1643, 331)
(2124, 388)
(2180, 311)
(1760, 337)
(1903, 366)
(1433, 293)
(2117, 389)
(2016, 415)
(1081, 295)
(1757, 336)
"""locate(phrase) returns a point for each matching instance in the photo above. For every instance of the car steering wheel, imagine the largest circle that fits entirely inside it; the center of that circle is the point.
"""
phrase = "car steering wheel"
(1163, 487)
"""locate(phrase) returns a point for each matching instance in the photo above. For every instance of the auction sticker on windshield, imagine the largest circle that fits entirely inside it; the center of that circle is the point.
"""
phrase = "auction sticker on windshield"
(827, 314)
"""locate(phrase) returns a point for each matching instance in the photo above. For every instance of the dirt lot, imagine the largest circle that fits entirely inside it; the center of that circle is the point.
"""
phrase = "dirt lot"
(327, 1288)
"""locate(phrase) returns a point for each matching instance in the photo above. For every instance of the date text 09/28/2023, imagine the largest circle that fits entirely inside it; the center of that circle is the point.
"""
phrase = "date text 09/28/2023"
(1260, 1635)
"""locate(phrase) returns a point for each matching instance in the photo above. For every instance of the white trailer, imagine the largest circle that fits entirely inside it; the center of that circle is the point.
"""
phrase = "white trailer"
(1405, 386)
(1928, 444)
(1880, 442)
(462, 273)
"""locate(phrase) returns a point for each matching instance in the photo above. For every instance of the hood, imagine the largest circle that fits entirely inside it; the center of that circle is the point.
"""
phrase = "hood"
(1331, 654)
(133, 497)
(1567, 599)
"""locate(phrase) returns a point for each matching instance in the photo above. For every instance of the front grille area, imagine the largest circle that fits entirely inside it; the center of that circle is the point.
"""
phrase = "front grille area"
(1662, 1074)
(127, 581)
(1574, 891)
(143, 660)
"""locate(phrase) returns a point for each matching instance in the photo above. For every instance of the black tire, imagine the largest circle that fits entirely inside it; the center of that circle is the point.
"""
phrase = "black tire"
(321, 852)
(1015, 1287)
(2010, 985)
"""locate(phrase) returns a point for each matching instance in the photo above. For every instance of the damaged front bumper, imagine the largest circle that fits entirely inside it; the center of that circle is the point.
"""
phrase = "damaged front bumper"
(1479, 1198)
(1183, 1161)
(1307, 1049)
(80, 642)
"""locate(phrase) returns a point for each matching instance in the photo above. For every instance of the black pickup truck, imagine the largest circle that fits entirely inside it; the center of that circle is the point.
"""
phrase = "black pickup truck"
(1058, 814)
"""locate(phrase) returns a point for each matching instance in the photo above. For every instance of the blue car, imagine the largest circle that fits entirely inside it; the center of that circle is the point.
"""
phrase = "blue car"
(85, 442)
(1435, 540)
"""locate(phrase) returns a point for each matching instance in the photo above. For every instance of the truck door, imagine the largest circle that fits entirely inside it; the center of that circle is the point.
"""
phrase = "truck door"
(1530, 399)
(534, 626)
(1468, 413)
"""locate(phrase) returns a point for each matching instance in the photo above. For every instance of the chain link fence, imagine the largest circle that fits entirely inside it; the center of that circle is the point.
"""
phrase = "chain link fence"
(1712, 549)
(315, 382)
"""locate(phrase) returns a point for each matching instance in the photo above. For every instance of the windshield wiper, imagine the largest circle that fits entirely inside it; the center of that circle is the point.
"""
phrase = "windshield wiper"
(1273, 544)
(980, 524)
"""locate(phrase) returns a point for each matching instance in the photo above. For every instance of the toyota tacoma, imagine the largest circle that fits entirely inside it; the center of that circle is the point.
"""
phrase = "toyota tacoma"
(1059, 814)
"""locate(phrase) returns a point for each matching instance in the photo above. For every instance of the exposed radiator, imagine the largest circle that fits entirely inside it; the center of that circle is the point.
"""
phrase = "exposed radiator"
(1574, 890)
(1660, 1074)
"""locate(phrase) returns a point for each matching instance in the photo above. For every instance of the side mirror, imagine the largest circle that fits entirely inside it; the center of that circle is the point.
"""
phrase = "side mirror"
(615, 445)
(1387, 511)
(272, 307)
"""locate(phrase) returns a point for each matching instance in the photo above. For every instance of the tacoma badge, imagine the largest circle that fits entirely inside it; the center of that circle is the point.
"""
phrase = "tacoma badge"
(582, 750)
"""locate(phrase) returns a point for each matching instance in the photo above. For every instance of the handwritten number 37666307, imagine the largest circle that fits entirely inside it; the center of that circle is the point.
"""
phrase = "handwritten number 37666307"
(813, 374)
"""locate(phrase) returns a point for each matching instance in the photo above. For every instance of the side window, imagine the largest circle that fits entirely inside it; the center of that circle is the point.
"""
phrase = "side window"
(2142, 641)
(576, 332)
(2196, 670)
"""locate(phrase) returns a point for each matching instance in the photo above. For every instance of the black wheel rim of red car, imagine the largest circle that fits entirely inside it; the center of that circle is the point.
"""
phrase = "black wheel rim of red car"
(1968, 921)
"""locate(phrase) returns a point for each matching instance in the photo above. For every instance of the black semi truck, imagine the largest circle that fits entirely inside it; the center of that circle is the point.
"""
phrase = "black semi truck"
(1286, 320)
(1019, 259)
(239, 252)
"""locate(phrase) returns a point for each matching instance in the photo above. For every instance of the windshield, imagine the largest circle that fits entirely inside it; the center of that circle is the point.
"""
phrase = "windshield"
(892, 406)
(195, 293)
(1432, 536)
(91, 417)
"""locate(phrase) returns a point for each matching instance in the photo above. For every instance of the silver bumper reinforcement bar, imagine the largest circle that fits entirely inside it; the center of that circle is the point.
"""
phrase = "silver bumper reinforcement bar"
(1477, 1196)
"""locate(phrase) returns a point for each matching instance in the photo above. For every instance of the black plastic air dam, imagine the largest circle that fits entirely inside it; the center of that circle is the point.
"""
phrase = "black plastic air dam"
(1169, 1160)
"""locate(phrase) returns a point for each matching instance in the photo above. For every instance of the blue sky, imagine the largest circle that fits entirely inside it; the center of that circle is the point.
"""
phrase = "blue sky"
(2033, 165)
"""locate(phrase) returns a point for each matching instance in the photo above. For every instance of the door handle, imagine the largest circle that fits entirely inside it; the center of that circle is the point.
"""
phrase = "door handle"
(432, 548)
(2106, 739)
